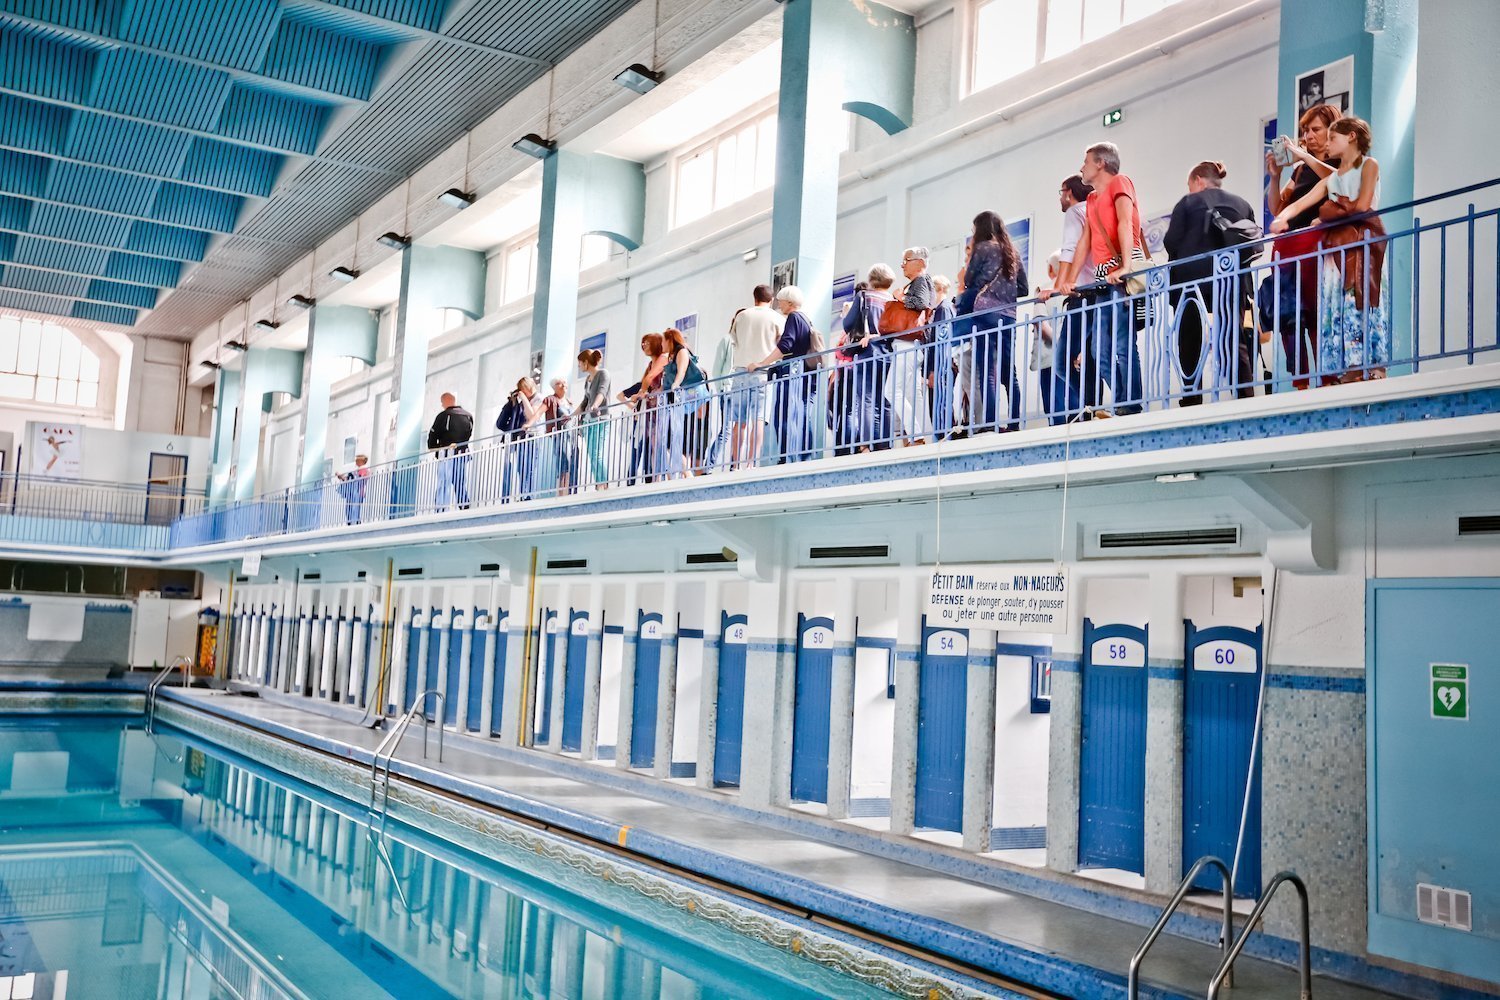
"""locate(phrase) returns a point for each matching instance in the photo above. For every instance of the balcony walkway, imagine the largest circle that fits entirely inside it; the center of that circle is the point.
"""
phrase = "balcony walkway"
(880, 883)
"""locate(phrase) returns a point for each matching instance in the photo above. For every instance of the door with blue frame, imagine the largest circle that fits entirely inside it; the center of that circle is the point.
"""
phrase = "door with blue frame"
(1221, 689)
(547, 668)
(729, 699)
(412, 666)
(647, 684)
(500, 638)
(453, 668)
(432, 671)
(813, 707)
(942, 709)
(574, 671)
(1112, 757)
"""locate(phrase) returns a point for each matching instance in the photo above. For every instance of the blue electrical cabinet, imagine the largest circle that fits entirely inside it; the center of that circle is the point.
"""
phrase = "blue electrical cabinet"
(811, 715)
(1433, 770)
(942, 710)
(1221, 690)
(647, 684)
(574, 670)
(1112, 758)
(729, 725)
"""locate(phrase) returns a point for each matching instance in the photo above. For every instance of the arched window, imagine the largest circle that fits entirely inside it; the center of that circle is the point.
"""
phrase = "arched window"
(45, 363)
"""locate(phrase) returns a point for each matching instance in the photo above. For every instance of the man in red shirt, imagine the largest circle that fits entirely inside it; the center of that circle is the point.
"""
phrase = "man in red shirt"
(1118, 247)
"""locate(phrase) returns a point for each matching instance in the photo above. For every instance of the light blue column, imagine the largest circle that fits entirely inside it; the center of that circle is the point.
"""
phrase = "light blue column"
(333, 332)
(226, 407)
(1381, 35)
(432, 278)
(267, 370)
(835, 56)
(581, 193)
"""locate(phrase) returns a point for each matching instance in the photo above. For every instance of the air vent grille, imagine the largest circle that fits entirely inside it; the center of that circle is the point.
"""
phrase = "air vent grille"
(1445, 907)
(410, 571)
(1479, 524)
(709, 559)
(489, 567)
(1184, 538)
(849, 552)
(312, 576)
(567, 564)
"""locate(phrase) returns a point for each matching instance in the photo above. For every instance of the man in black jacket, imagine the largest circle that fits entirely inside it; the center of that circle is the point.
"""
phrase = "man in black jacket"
(449, 439)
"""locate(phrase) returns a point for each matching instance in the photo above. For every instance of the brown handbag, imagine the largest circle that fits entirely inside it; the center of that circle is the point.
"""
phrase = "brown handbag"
(903, 322)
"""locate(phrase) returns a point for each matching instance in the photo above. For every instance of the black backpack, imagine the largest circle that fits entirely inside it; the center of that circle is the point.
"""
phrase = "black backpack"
(1229, 232)
(512, 417)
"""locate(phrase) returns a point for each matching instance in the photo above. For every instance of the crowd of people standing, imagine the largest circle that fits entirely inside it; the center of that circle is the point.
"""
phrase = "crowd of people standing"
(915, 357)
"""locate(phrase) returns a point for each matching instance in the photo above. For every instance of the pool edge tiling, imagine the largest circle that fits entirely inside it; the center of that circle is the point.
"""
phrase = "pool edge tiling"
(476, 828)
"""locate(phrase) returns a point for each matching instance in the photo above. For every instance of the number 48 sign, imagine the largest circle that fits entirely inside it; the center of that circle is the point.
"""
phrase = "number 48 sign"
(1450, 691)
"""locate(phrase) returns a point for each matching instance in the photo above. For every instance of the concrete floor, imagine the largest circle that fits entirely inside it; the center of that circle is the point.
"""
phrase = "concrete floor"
(1047, 928)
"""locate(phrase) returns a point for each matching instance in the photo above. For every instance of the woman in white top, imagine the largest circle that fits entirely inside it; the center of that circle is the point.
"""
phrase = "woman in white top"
(1354, 336)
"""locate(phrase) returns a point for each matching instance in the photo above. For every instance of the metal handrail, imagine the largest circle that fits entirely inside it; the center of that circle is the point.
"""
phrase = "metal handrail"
(392, 742)
(186, 662)
(1305, 956)
(1226, 929)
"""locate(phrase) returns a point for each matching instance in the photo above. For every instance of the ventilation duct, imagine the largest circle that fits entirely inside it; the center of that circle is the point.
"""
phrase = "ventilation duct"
(836, 552)
(567, 565)
(1184, 538)
(724, 557)
(1478, 524)
(410, 571)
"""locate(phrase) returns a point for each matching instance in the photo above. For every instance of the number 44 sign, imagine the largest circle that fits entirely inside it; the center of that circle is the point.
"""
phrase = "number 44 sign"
(1450, 691)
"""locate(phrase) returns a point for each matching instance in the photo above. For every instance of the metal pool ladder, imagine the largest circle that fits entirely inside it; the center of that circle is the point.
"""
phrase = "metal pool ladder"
(380, 782)
(1304, 963)
(186, 663)
(1226, 929)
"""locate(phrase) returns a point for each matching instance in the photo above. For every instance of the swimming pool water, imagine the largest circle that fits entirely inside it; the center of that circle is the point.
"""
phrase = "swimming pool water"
(139, 865)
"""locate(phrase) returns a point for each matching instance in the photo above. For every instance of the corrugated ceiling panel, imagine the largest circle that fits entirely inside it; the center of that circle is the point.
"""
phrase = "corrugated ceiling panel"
(425, 14)
(121, 294)
(167, 241)
(23, 174)
(143, 270)
(32, 125)
(311, 57)
(93, 187)
(231, 34)
(164, 90)
(32, 302)
(196, 208)
(272, 119)
(96, 313)
(128, 145)
(7, 245)
(15, 213)
(65, 256)
(46, 67)
(229, 167)
(27, 279)
(77, 224)
(333, 18)
(85, 15)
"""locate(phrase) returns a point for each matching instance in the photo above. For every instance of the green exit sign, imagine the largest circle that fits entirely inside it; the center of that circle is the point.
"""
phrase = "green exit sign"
(1114, 117)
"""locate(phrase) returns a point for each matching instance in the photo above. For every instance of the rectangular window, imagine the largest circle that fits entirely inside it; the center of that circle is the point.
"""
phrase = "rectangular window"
(45, 363)
(726, 169)
(519, 270)
(1011, 36)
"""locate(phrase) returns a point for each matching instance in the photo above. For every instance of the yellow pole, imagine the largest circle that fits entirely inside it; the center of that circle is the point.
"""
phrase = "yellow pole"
(528, 696)
(221, 662)
(385, 639)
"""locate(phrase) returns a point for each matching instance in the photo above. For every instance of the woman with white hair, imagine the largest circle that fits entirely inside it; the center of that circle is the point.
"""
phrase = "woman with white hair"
(793, 381)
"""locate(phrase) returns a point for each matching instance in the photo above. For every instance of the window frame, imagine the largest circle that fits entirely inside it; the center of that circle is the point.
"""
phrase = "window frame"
(750, 121)
(1040, 58)
(528, 241)
(49, 333)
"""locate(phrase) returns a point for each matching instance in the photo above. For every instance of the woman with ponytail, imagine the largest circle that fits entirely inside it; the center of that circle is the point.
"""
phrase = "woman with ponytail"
(1202, 222)
(593, 414)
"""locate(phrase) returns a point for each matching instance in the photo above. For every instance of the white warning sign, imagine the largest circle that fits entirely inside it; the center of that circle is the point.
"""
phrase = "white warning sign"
(1007, 597)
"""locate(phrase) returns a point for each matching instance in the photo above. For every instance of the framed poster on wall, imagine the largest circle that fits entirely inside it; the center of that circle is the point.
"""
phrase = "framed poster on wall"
(1329, 84)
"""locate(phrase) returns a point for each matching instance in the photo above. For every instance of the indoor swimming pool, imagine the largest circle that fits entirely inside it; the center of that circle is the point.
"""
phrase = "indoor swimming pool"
(135, 864)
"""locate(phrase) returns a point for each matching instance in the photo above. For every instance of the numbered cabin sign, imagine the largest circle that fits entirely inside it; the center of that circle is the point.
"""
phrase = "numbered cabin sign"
(651, 629)
(1118, 651)
(1225, 656)
(736, 634)
(818, 637)
(947, 642)
(581, 625)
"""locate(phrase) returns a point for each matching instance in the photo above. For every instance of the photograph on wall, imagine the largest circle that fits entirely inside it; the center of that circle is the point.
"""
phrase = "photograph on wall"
(688, 327)
(57, 450)
(1330, 84)
(783, 274)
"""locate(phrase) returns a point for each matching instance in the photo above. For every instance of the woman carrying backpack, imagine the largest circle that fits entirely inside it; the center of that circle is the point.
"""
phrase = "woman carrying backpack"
(687, 406)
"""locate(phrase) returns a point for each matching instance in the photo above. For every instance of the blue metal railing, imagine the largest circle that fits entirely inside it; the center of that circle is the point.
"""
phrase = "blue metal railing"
(42, 510)
(1339, 302)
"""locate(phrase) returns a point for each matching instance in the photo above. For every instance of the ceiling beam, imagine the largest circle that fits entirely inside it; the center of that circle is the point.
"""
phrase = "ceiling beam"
(425, 33)
(105, 247)
(76, 273)
(246, 76)
(6, 188)
(143, 174)
(6, 281)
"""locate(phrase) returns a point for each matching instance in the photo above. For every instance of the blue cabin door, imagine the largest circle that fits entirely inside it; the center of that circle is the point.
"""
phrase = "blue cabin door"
(544, 696)
(942, 708)
(432, 669)
(454, 667)
(478, 653)
(1219, 698)
(729, 726)
(573, 680)
(501, 639)
(647, 683)
(1112, 759)
(810, 717)
(414, 634)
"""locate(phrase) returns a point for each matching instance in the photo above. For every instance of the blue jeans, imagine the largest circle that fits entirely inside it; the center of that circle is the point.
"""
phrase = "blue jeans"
(1112, 347)
(993, 361)
(790, 418)
(453, 477)
(1067, 382)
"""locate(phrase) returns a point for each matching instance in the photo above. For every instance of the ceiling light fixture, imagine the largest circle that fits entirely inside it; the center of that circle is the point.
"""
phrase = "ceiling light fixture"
(260, 324)
(752, 254)
(395, 241)
(343, 274)
(534, 145)
(639, 78)
(212, 365)
(302, 301)
(1179, 477)
(454, 198)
